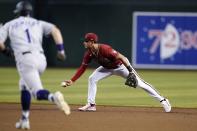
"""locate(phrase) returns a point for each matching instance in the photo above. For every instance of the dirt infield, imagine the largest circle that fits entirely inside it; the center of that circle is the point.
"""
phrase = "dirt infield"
(106, 118)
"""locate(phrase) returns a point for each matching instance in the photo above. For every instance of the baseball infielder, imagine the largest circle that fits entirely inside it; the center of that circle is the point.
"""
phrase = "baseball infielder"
(112, 63)
(25, 34)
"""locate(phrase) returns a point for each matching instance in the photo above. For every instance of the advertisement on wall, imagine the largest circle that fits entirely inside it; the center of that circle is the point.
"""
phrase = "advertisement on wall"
(164, 40)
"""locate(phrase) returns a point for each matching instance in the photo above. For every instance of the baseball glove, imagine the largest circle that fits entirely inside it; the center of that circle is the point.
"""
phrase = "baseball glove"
(131, 80)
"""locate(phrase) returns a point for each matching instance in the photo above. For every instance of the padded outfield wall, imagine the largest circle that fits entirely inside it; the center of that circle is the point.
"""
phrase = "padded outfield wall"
(111, 20)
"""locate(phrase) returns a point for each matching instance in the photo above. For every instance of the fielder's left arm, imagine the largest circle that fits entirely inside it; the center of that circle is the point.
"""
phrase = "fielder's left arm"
(125, 61)
(131, 80)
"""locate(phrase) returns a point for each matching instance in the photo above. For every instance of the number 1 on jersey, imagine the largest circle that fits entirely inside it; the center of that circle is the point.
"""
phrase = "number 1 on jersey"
(28, 35)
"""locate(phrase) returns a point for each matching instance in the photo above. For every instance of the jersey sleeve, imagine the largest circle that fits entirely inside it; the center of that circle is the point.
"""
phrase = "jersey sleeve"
(3, 33)
(86, 60)
(79, 72)
(47, 27)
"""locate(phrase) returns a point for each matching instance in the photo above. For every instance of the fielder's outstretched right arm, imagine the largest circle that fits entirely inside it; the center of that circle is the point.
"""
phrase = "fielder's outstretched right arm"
(79, 72)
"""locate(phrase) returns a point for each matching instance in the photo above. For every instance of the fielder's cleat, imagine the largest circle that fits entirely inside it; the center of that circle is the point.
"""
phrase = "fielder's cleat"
(61, 103)
(23, 124)
(88, 107)
(166, 105)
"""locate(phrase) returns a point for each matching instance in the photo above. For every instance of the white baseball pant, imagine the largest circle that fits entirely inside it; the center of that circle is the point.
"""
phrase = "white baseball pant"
(101, 73)
(30, 66)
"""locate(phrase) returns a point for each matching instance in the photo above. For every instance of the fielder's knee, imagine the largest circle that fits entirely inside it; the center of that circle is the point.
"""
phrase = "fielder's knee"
(92, 79)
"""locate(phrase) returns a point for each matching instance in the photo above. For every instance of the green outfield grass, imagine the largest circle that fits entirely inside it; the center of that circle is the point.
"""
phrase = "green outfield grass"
(179, 86)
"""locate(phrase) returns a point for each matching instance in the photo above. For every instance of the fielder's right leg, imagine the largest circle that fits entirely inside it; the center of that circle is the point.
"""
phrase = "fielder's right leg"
(99, 74)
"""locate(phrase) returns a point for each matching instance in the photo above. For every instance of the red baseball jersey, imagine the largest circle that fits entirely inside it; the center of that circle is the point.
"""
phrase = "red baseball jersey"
(106, 57)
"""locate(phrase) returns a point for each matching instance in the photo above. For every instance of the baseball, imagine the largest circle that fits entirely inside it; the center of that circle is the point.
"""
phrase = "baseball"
(63, 83)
